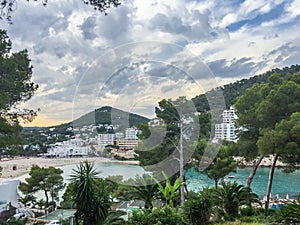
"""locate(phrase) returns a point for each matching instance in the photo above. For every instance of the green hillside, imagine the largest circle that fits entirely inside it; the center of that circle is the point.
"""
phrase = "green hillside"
(110, 115)
(103, 115)
(233, 90)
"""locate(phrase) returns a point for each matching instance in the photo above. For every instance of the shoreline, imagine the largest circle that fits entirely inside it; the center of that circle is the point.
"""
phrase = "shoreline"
(23, 164)
(19, 166)
(266, 162)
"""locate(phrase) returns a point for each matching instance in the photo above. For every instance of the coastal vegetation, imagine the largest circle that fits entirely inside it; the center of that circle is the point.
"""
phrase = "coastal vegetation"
(94, 199)
(268, 111)
(16, 88)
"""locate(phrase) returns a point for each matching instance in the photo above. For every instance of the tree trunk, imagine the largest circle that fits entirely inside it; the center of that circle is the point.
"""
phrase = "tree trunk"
(76, 218)
(216, 183)
(253, 171)
(185, 186)
(181, 166)
(271, 175)
(47, 198)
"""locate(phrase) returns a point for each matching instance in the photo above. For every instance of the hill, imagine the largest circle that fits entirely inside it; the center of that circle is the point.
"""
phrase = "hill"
(233, 90)
(110, 115)
(104, 115)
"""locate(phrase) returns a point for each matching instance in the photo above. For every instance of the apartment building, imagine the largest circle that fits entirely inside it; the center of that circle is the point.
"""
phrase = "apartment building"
(227, 130)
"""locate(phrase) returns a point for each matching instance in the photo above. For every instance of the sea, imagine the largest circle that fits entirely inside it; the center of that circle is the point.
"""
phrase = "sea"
(285, 185)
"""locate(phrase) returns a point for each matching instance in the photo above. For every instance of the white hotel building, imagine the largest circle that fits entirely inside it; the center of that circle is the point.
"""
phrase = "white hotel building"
(104, 140)
(226, 130)
(131, 133)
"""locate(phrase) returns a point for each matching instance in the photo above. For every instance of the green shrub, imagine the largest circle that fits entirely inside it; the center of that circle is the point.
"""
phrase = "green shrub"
(158, 216)
(248, 211)
(198, 207)
(290, 214)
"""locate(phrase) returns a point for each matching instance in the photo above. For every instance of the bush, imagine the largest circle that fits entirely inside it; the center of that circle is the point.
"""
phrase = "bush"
(248, 211)
(198, 207)
(290, 214)
(158, 216)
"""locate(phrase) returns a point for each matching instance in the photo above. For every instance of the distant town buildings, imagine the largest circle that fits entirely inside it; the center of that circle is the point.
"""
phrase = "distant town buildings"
(131, 133)
(87, 141)
(227, 130)
(105, 139)
(69, 148)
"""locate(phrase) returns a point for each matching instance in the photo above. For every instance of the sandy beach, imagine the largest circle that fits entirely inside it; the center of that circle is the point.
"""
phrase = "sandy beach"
(21, 165)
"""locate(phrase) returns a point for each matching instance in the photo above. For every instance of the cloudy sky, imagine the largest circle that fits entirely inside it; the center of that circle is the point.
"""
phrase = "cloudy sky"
(144, 51)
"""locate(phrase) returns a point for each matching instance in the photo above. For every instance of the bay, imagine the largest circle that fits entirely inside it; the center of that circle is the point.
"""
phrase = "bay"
(106, 169)
(283, 184)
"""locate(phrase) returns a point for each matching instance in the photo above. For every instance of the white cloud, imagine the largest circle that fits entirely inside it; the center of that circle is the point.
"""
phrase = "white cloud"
(66, 39)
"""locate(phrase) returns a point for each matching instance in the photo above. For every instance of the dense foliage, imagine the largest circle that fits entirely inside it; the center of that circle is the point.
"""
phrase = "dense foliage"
(290, 214)
(199, 207)
(91, 197)
(268, 114)
(236, 89)
(16, 87)
(48, 180)
(158, 216)
(231, 197)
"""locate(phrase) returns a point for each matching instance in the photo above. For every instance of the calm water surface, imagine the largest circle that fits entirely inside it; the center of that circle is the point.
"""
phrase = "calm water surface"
(283, 183)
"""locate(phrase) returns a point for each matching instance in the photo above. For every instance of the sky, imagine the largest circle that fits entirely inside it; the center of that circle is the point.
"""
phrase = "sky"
(145, 51)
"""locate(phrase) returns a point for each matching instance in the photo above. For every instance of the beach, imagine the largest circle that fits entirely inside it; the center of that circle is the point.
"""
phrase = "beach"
(21, 165)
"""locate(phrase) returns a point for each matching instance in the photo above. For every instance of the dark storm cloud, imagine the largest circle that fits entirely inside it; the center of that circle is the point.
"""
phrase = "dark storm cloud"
(235, 68)
(116, 26)
(199, 29)
(168, 24)
(285, 55)
(88, 28)
(35, 26)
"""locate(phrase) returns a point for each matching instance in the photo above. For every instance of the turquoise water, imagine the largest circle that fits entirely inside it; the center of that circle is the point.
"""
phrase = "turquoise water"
(106, 169)
(283, 183)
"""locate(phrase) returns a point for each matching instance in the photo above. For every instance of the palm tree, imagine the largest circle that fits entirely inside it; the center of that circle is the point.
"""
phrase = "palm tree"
(231, 196)
(90, 198)
(141, 188)
(145, 189)
(114, 218)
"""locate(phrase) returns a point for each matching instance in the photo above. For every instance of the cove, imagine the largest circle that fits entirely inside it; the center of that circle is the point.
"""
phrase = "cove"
(283, 184)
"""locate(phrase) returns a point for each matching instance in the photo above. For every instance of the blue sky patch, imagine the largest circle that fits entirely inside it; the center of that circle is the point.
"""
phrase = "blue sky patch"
(259, 19)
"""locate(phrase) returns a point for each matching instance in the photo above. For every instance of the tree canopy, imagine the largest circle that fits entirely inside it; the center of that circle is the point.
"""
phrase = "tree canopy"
(16, 87)
(48, 180)
(265, 112)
